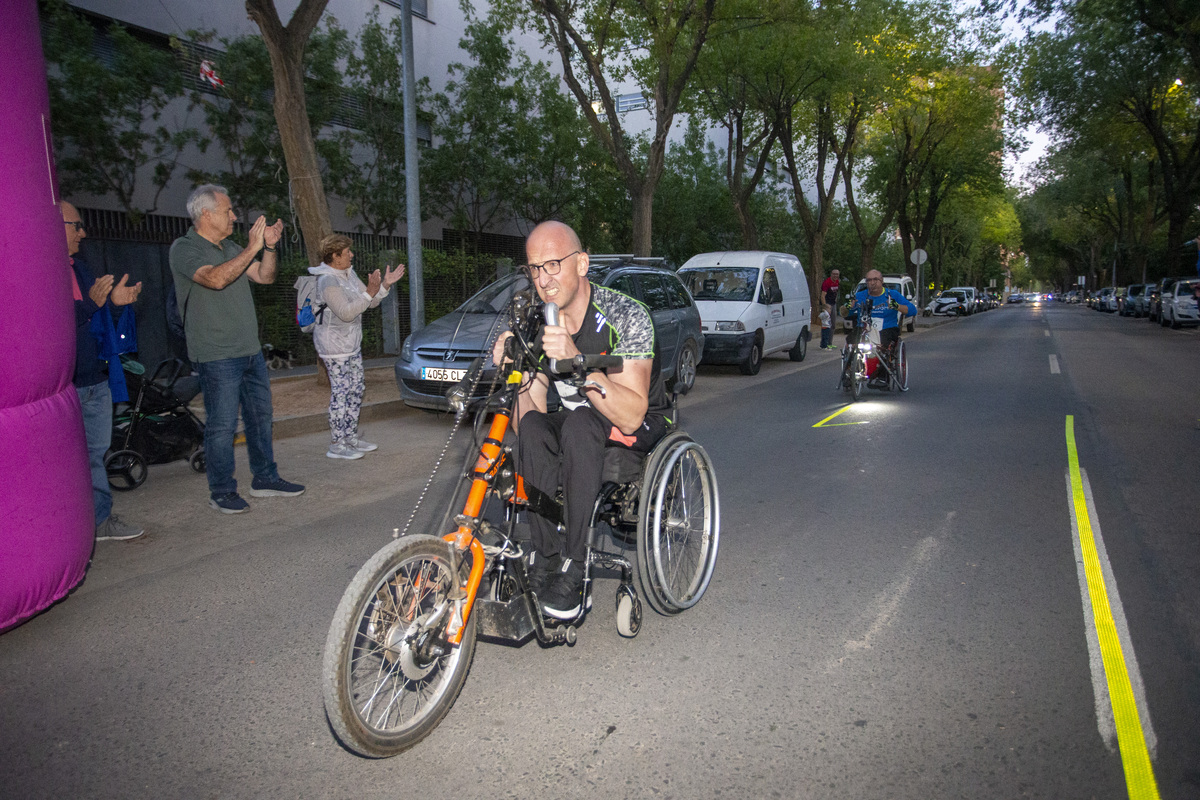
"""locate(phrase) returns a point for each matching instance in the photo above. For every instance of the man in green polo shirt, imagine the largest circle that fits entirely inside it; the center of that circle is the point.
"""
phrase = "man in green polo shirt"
(212, 287)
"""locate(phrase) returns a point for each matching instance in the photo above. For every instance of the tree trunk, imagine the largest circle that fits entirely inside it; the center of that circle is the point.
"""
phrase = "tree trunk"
(642, 197)
(286, 47)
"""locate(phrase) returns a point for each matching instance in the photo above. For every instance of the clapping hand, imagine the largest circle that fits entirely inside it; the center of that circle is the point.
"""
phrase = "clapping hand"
(123, 294)
(100, 289)
(272, 233)
(373, 282)
(393, 275)
(258, 234)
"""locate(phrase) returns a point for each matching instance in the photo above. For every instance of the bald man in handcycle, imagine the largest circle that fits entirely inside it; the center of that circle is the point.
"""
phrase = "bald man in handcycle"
(624, 407)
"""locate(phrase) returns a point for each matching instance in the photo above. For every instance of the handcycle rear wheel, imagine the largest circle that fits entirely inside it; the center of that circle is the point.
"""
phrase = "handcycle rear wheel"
(388, 677)
(679, 525)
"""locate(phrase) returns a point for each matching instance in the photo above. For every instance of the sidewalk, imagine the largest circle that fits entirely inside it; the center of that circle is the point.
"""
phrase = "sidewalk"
(301, 405)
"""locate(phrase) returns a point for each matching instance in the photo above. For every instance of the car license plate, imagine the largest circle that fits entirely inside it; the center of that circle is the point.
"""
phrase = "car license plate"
(440, 374)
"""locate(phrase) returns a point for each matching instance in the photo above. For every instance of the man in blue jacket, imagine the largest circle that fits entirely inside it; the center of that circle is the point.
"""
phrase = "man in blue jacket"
(91, 373)
(885, 311)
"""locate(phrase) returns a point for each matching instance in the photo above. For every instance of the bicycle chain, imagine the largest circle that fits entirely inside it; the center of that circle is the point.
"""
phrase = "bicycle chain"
(458, 418)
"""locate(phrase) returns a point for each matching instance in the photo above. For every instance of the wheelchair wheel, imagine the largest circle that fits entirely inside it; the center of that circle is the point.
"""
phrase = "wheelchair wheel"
(388, 676)
(679, 525)
(629, 613)
(858, 377)
(126, 470)
(902, 367)
(198, 461)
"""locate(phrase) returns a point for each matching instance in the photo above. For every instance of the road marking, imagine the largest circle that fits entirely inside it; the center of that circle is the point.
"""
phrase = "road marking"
(1054, 370)
(1047, 332)
(1099, 613)
(822, 423)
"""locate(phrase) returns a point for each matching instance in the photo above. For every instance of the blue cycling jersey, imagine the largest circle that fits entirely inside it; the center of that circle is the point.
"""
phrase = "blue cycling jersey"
(880, 308)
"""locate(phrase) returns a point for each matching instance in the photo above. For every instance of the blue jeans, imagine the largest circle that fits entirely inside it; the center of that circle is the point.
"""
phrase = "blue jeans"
(96, 401)
(228, 384)
(826, 337)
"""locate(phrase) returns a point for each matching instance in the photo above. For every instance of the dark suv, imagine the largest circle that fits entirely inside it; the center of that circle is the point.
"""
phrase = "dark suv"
(436, 357)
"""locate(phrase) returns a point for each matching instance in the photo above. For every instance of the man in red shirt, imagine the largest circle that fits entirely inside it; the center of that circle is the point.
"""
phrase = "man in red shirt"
(829, 293)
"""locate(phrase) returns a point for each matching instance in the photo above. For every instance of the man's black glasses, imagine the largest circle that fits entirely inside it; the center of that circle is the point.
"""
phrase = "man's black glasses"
(76, 225)
(551, 267)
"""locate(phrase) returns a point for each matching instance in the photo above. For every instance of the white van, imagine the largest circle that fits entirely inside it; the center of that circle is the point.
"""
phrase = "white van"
(972, 297)
(751, 304)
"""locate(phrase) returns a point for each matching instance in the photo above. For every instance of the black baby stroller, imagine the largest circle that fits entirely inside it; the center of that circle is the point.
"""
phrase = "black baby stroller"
(157, 426)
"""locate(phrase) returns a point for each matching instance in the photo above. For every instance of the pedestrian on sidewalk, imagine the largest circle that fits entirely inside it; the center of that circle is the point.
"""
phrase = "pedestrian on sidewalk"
(830, 288)
(91, 378)
(337, 337)
(826, 329)
(212, 286)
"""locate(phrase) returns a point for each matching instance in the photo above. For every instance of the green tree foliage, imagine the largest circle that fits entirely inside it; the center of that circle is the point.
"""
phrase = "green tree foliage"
(650, 44)
(367, 169)
(110, 120)
(1104, 63)
(241, 121)
(693, 208)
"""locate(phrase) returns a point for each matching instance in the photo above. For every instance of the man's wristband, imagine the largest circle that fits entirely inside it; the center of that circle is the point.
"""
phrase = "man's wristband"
(268, 248)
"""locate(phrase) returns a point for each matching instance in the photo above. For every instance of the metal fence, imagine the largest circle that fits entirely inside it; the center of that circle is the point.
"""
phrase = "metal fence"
(456, 267)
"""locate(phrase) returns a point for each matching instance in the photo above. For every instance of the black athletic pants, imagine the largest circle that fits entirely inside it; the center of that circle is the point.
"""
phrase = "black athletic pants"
(566, 448)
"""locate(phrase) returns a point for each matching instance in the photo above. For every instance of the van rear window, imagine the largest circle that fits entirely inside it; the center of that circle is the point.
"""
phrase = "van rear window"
(721, 283)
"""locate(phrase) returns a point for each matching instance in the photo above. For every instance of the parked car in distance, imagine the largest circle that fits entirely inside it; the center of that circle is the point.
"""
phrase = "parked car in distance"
(435, 358)
(1156, 307)
(1149, 300)
(971, 296)
(1133, 294)
(949, 303)
(1014, 298)
(751, 304)
(1179, 304)
(1103, 300)
(902, 284)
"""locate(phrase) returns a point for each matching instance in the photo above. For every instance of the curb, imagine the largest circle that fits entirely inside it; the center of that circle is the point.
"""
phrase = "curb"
(304, 424)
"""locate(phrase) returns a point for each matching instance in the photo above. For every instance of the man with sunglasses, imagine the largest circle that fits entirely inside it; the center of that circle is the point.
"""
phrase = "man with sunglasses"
(91, 294)
(619, 408)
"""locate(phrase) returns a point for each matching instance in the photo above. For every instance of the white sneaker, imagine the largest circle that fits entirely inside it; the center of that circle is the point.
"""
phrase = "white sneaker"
(342, 450)
(361, 446)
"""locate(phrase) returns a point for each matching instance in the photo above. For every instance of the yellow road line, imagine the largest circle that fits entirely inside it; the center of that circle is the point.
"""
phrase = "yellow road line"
(1135, 758)
(822, 423)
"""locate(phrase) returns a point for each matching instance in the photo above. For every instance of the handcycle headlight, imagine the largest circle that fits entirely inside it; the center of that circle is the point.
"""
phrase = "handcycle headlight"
(735, 325)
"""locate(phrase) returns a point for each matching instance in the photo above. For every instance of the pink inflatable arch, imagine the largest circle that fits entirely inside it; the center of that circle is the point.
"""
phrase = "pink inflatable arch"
(46, 527)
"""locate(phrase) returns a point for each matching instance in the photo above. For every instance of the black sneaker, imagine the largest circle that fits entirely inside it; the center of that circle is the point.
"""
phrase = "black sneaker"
(229, 503)
(276, 488)
(564, 590)
(539, 570)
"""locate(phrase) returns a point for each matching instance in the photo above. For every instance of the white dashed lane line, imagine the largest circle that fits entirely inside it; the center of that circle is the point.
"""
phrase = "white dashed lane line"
(1054, 370)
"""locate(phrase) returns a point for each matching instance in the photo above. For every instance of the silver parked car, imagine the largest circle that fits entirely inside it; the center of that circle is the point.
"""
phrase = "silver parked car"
(436, 357)
(1179, 304)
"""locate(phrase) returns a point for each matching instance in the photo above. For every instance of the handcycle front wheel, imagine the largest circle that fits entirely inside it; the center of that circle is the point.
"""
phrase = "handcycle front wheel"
(902, 367)
(679, 525)
(858, 377)
(388, 676)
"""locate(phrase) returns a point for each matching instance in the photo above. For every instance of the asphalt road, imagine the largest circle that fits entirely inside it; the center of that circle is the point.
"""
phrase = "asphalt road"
(898, 609)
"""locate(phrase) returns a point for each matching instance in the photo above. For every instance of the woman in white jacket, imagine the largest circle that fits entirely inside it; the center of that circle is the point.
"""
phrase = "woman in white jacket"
(338, 338)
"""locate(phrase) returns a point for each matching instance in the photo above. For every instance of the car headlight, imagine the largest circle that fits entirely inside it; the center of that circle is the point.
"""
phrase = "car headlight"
(736, 325)
(406, 349)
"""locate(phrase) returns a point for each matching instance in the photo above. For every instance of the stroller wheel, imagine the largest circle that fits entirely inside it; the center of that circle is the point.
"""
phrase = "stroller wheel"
(126, 470)
(197, 461)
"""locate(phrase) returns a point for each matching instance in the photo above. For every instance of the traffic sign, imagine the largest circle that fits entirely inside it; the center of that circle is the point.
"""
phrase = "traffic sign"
(918, 257)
